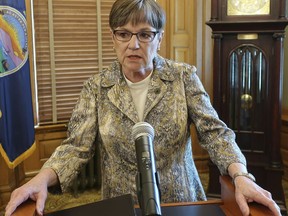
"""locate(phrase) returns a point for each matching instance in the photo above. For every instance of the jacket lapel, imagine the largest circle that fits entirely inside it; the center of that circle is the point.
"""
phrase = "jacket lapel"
(156, 91)
(121, 97)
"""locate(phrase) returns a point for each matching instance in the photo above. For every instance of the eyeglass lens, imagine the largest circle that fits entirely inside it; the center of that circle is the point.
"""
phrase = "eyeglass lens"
(144, 36)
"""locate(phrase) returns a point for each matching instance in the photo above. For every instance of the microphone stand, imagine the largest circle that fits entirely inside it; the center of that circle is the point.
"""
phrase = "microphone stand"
(147, 179)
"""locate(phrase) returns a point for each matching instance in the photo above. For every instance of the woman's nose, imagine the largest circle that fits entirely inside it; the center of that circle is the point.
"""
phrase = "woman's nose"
(134, 42)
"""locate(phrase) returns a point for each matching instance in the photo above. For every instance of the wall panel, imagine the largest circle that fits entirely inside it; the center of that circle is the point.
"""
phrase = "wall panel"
(47, 139)
(182, 30)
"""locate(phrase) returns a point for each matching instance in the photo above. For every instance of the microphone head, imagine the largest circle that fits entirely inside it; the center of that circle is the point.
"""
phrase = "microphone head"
(142, 128)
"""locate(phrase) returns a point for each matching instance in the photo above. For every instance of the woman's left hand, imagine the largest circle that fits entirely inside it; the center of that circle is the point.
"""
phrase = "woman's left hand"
(248, 191)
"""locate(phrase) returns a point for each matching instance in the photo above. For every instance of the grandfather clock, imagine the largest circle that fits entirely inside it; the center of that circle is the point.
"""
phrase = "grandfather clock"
(247, 90)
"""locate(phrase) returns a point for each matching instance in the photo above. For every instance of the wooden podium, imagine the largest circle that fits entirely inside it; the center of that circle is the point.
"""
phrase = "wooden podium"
(224, 206)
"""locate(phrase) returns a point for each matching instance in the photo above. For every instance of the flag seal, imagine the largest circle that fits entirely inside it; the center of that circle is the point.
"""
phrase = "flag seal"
(13, 40)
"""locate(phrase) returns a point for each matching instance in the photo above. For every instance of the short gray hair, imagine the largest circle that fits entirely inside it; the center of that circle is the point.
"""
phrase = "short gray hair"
(137, 11)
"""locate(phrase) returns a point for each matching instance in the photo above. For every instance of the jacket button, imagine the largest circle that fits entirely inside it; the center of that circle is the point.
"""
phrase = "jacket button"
(157, 91)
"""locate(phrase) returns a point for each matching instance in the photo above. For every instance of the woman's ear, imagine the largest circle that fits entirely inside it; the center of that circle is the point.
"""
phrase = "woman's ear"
(111, 33)
(112, 36)
(161, 35)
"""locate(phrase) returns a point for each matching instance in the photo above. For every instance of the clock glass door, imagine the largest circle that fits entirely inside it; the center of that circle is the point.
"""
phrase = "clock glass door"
(247, 71)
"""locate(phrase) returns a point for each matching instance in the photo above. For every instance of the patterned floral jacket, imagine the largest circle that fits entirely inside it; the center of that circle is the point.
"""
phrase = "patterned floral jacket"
(105, 114)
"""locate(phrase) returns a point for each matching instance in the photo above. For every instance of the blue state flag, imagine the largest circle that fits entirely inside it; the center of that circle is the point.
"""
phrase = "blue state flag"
(17, 138)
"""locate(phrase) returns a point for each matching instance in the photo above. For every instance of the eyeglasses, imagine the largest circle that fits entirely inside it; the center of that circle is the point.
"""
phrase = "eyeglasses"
(143, 36)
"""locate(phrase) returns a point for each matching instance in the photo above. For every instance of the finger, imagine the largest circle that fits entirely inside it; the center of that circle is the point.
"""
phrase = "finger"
(242, 203)
(15, 201)
(40, 202)
(9, 210)
(273, 207)
(266, 199)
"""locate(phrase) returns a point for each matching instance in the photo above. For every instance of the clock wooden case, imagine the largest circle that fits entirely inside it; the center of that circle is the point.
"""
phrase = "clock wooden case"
(247, 84)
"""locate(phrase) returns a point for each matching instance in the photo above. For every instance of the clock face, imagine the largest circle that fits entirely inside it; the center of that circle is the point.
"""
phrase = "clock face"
(248, 7)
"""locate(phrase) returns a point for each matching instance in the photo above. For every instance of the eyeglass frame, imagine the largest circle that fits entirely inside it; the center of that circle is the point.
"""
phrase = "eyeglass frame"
(137, 35)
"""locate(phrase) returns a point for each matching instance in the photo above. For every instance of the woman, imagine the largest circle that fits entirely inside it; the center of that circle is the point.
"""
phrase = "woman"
(142, 86)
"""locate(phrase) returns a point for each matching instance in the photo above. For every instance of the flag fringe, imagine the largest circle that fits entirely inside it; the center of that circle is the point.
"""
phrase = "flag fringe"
(20, 158)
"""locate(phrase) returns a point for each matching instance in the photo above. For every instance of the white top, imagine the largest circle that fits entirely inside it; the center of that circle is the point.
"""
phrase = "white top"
(139, 92)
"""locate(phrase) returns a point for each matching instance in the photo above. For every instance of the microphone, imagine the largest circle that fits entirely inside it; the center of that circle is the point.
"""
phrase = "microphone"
(147, 179)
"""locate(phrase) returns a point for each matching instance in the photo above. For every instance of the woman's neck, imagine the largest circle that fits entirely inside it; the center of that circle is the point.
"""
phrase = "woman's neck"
(137, 76)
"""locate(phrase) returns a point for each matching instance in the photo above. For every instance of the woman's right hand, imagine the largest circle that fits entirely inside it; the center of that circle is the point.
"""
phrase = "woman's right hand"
(36, 189)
